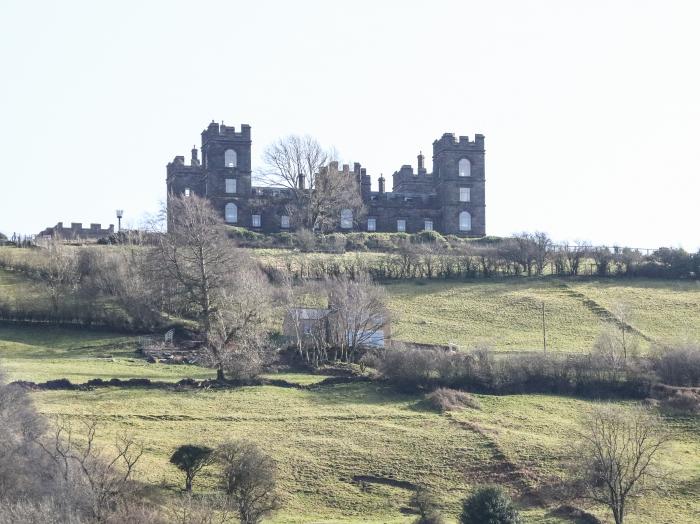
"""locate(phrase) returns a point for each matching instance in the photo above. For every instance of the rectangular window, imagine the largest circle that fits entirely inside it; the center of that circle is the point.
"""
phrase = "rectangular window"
(284, 222)
(464, 194)
(256, 220)
(371, 224)
(401, 226)
(428, 225)
(230, 185)
(187, 191)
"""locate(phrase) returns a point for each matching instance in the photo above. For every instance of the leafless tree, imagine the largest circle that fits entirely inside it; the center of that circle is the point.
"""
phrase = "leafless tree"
(575, 254)
(216, 283)
(358, 312)
(249, 479)
(59, 271)
(617, 458)
(105, 478)
(542, 245)
(318, 189)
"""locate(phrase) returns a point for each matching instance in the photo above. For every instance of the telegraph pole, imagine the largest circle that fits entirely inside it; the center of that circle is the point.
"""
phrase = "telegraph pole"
(544, 330)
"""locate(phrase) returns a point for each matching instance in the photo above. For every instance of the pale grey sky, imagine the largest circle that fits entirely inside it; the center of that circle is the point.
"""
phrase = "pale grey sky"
(591, 110)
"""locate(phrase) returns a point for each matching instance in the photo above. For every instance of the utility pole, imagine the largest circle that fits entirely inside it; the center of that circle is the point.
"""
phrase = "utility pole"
(544, 330)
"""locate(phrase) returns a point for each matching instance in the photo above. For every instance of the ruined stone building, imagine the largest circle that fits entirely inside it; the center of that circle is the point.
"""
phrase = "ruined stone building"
(450, 200)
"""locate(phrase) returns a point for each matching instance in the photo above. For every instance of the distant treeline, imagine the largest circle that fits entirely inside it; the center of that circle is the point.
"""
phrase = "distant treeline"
(429, 255)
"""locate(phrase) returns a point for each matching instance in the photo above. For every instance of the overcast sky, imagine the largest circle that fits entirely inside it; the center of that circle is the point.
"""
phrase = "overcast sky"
(591, 110)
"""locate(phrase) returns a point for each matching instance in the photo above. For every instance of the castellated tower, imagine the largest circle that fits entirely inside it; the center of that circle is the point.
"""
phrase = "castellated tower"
(450, 200)
(459, 170)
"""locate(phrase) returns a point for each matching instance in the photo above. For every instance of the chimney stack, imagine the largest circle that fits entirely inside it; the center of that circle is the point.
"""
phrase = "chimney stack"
(381, 183)
(420, 161)
(195, 158)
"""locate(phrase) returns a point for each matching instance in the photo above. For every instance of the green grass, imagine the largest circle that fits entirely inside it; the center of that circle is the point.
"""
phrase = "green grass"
(39, 353)
(320, 439)
(507, 314)
(667, 311)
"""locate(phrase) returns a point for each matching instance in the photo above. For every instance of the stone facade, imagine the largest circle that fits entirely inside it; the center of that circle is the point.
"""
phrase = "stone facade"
(76, 231)
(450, 200)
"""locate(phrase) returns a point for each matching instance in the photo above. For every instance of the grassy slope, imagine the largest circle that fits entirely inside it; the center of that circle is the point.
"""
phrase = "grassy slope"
(663, 310)
(322, 438)
(40, 353)
(507, 315)
(504, 315)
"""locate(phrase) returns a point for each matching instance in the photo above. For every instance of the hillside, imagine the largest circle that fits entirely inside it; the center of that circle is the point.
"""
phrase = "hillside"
(340, 448)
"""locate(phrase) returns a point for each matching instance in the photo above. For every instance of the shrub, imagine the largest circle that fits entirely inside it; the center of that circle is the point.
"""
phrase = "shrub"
(683, 401)
(489, 504)
(248, 478)
(679, 366)
(446, 399)
(424, 502)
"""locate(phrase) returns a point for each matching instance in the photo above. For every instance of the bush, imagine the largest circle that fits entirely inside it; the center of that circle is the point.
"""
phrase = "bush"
(489, 505)
(679, 366)
(424, 502)
(446, 399)
(683, 401)
(479, 371)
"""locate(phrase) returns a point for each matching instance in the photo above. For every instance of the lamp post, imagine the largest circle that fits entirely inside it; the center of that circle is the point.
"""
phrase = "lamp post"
(120, 214)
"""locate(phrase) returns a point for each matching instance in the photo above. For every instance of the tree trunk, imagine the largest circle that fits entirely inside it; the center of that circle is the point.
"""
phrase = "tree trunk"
(220, 374)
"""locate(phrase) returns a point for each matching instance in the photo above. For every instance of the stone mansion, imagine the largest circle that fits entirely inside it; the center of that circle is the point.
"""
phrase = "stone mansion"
(450, 200)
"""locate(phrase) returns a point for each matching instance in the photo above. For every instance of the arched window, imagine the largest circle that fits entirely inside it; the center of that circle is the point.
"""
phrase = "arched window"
(465, 221)
(465, 167)
(230, 158)
(346, 218)
(231, 213)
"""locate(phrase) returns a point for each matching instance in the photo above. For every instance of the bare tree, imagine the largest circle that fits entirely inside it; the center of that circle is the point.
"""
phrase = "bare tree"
(575, 254)
(542, 245)
(59, 271)
(318, 190)
(105, 478)
(358, 313)
(249, 479)
(293, 162)
(617, 457)
(216, 283)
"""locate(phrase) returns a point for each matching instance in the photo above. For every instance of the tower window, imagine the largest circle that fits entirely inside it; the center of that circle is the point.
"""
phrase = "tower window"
(465, 221)
(464, 194)
(230, 185)
(187, 191)
(284, 222)
(256, 220)
(465, 167)
(371, 224)
(346, 218)
(230, 158)
(401, 226)
(231, 213)
(428, 225)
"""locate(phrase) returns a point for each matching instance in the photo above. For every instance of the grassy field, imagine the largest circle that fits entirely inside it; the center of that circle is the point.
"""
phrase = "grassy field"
(321, 439)
(507, 315)
(40, 353)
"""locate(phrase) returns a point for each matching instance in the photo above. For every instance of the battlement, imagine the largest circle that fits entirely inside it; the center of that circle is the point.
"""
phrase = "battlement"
(449, 141)
(77, 231)
(222, 132)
